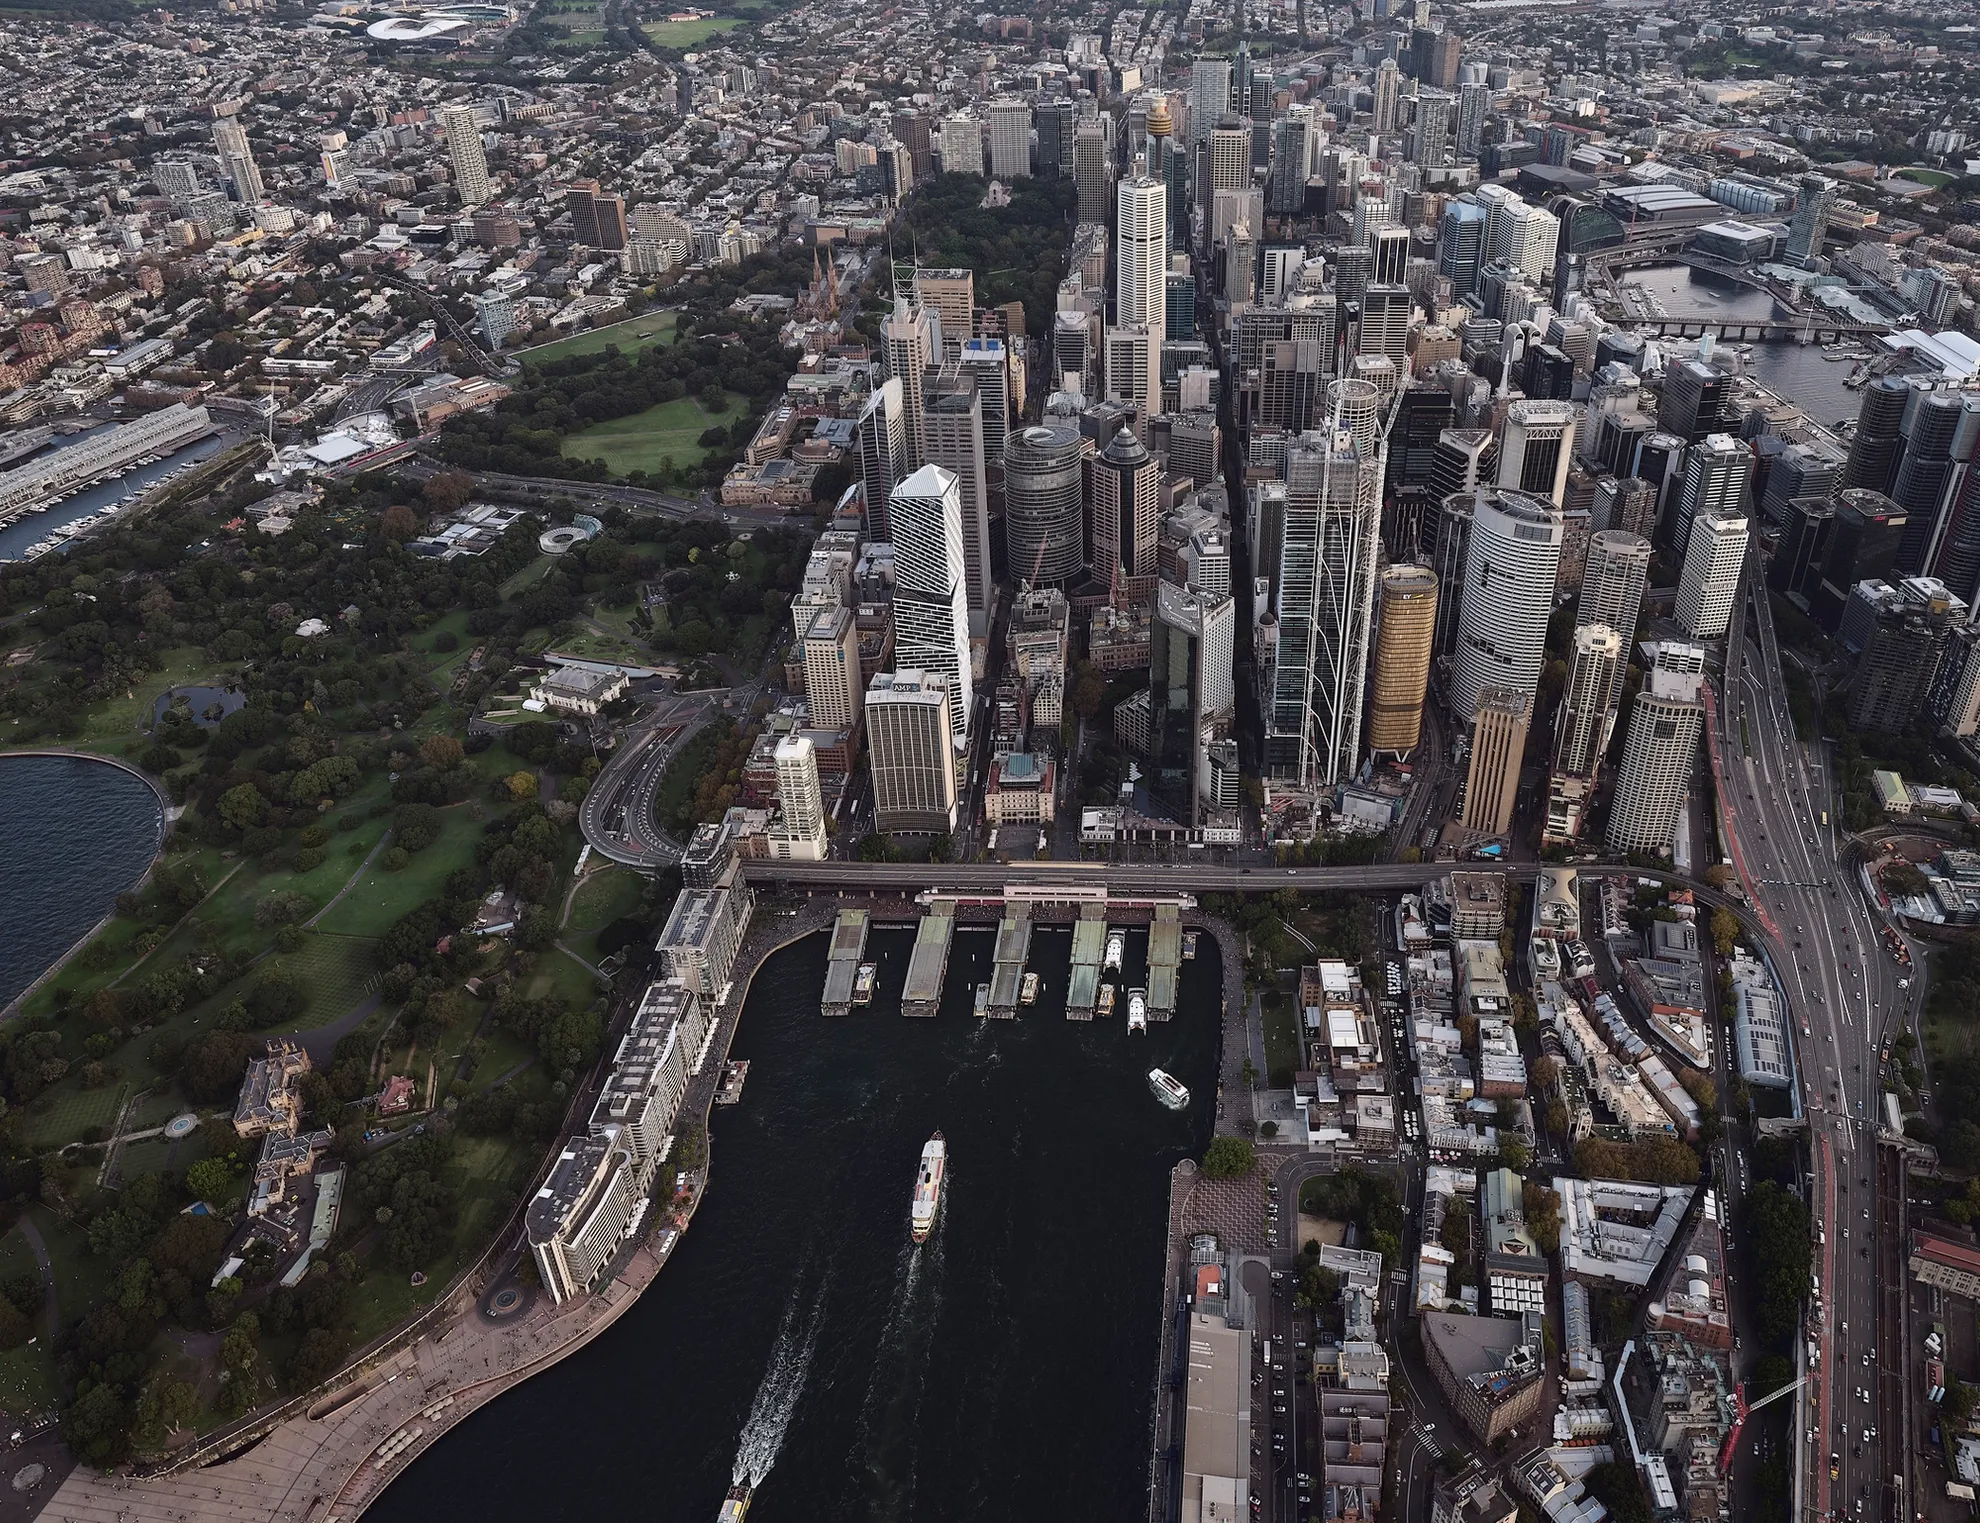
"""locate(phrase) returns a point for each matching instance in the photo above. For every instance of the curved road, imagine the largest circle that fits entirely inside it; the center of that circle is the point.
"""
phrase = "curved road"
(617, 813)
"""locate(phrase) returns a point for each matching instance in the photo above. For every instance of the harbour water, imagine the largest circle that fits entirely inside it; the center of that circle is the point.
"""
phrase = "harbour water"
(16, 537)
(797, 1338)
(1799, 372)
(78, 834)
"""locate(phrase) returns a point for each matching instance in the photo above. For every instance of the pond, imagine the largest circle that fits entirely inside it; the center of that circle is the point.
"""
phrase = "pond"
(207, 705)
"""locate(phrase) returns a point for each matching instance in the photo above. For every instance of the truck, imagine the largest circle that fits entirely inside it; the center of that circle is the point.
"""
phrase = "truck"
(1935, 1380)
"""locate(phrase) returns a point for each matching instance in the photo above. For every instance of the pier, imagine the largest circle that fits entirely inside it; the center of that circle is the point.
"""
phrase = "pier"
(929, 962)
(1013, 947)
(1164, 961)
(842, 970)
(1089, 948)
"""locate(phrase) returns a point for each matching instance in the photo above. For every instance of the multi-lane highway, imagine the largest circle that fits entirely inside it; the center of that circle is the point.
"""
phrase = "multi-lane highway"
(1843, 996)
(617, 814)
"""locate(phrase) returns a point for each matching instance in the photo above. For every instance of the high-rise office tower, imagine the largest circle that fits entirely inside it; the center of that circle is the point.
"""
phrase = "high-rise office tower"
(1813, 204)
(912, 338)
(1811, 468)
(1537, 448)
(800, 833)
(1937, 438)
(1581, 727)
(1390, 248)
(833, 691)
(1010, 139)
(931, 590)
(1875, 448)
(951, 295)
(598, 219)
(1133, 362)
(1450, 543)
(1191, 686)
(1717, 471)
(1697, 400)
(1291, 136)
(1092, 169)
(1433, 129)
(1331, 542)
(1709, 583)
(1044, 503)
(883, 453)
(1230, 159)
(1595, 678)
(464, 149)
(1498, 747)
(1141, 265)
(1055, 137)
(1628, 506)
(230, 145)
(1464, 459)
(954, 430)
(1434, 57)
(1385, 314)
(1611, 595)
(909, 725)
(1209, 96)
(1664, 727)
(1474, 105)
(1126, 519)
(961, 145)
(1521, 234)
(1510, 565)
(1403, 640)
(987, 360)
(1388, 95)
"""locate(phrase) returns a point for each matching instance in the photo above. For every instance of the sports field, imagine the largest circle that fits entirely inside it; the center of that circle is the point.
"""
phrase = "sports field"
(631, 336)
(688, 34)
(640, 441)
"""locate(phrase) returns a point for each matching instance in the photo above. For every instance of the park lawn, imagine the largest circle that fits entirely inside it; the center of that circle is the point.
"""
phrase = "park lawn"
(590, 37)
(445, 662)
(340, 973)
(688, 34)
(641, 441)
(528, 576)
(502, 1053)
(603, 897)
(27, 1374)
(629, 337)
(589, 645)
(65, 1110)
(559, 973)
(381, 898)
(112, 726)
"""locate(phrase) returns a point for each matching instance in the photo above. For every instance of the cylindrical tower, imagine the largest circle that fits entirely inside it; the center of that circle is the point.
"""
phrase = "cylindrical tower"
(1509, 571)
(1402, 658)
(1043, 533)
(1360, 404)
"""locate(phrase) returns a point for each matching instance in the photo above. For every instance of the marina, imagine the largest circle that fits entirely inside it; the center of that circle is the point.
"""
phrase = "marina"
(61, 523)
(1164, 961)
(1013, 947)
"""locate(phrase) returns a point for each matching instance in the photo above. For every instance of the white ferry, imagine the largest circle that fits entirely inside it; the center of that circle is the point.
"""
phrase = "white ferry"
(1138, 1010)
(1116, 949)
(1028, 991)
(863, 982)
(1168, 1089)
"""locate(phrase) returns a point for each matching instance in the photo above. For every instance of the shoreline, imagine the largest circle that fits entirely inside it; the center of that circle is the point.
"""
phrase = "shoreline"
(14, 1006)
(333, 1450)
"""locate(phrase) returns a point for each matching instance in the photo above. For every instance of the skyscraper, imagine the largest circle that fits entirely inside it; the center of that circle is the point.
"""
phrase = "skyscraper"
(1403, 642)
(230, 145)
(1209, 96)
(931, 592)
(1696, 400)
(1126, 519)
(950, 294)
(1291, 135)
(1043, 503)
(1710, 580)
(800, 832)
(912, 340)
(1510, 564)
(1433, 128)
(1141, 264)
(1664, 728)
(961, 145)
(1537, 449)
(908, 745)
(1055, 137)
(1715, 475)
(883, 453)
(1330, 544)
(1388, 95)
(1434, 57)
(833, 691)
(1092, 169)
(464, 149)
(1474, 105)
(1612, 580)
(1010, 139)
(1191, 687)
(1498, 747)
(1813, 203)
(1581, 727)
(598, 219)
(954, 432)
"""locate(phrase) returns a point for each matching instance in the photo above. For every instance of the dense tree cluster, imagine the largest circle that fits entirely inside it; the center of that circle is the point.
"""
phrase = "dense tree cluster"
(1018, 251)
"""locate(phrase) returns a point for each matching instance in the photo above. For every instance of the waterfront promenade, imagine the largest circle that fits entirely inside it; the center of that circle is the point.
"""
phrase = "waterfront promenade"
(331, 1459)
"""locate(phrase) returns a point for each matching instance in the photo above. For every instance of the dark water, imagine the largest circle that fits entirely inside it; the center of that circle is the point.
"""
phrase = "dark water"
(222, 701)
(1799, 372)
(1003, 1370)
(78, 833)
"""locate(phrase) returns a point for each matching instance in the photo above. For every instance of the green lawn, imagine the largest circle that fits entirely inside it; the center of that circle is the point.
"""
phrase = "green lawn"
(604, 897)
(339, 972)
(1281, 1033)
(630, 336)
(688, 34)
(557, 972)
(1938, 179)
(640, 442)
(62, 1112)
(120, 724)
(381, 897)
